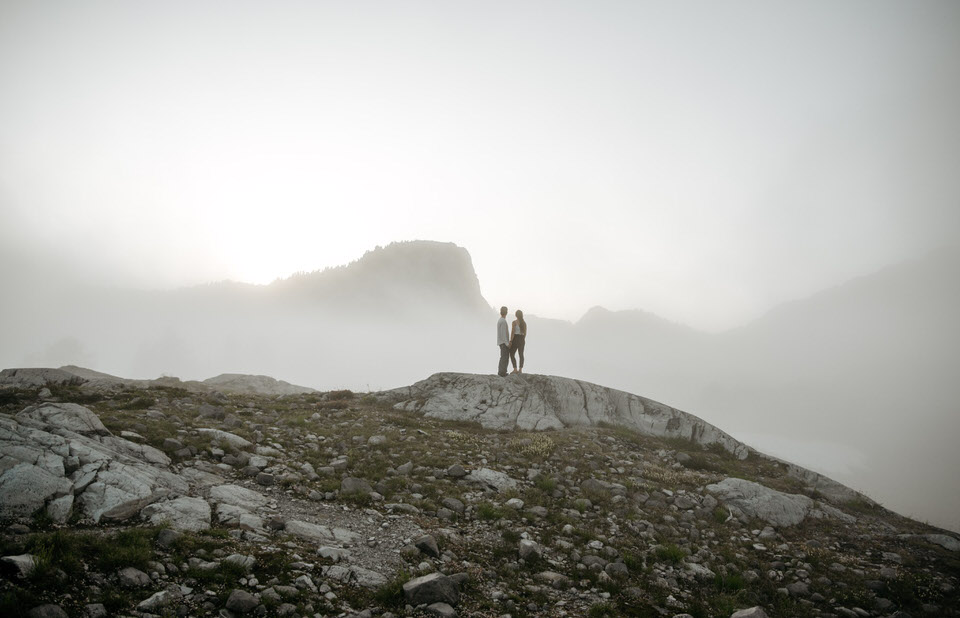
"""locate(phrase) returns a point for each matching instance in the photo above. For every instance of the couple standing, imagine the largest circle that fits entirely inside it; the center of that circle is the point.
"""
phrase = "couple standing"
(511, 342)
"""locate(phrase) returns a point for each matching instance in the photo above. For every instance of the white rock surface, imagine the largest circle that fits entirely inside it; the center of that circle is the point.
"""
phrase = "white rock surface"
(774, 507)
(69, 416)
(22, 565)
(320, 534)
(225, 436)
(491, 478)
(25, 488)
(238, 496)
(36, 377)
(108, 476)
(235, 516)
(535, 402)
(182, 513)
(944, 540)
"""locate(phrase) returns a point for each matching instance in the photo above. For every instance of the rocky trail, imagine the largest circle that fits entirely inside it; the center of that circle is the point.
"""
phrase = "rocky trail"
(457, 496)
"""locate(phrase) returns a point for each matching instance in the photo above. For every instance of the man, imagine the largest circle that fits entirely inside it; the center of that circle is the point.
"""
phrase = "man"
(503, 336)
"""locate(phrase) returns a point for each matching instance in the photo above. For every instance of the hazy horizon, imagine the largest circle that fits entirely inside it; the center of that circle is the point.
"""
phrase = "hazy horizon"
(700, 162)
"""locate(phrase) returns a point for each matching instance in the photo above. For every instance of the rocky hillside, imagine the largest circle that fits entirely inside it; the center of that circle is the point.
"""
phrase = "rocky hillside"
(128, 498)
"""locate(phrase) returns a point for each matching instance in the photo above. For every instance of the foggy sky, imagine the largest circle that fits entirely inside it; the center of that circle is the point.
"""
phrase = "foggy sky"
(703, 161)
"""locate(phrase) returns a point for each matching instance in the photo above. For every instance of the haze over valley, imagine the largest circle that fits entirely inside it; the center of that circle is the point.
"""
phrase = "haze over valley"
(853, 381)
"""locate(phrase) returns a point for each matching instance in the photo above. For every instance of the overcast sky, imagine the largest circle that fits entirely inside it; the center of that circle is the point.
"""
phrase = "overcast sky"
(703, 161)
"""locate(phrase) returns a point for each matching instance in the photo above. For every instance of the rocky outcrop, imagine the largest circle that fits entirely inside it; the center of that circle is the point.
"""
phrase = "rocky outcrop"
(36, 377)
(184, 513)
(536, 402)
(242, 384)
(751, 499)
(60, 456)
(230, 383)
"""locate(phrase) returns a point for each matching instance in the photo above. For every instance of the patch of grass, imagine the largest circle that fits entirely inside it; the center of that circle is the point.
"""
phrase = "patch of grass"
(273, 564)
(680, 443)
(60, 549)
(699, 461)
(16, 603)
(128, 548)
(729, 583)
(344, 394)
(70, 391)
(488, 512)
(861, 506)
(9, 397)
(720, 515)
(545, 483)
(603, 610)
(357, 498)
(633, 562)
(670, 553)
(115, 599)
(391, 593)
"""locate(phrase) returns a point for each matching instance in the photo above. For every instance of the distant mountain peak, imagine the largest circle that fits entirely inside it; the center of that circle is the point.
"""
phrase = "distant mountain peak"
(417, 275)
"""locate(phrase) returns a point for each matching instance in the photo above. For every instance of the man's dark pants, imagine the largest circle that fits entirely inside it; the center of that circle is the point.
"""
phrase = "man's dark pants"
(504, 359)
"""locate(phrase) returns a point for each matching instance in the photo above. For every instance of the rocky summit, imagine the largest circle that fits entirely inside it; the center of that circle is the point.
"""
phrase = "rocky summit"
(460, 495)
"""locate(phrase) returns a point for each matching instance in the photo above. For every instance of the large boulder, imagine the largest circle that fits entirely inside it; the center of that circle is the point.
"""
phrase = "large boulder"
(755, 500)
(25, 488)
(537, 402)
(184, 513)
(69, 416)
(491, 479)
(231, 439)
(432, 588)
(37, 377)
(120, 490)
(61, 456)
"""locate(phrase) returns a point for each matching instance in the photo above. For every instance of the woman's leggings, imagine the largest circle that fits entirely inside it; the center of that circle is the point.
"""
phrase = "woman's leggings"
(518, 341)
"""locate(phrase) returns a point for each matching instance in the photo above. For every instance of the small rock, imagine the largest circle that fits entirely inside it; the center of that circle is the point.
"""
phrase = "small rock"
(529, 550)
(245, 562)
(428, 545)
(160, 599)
(353, 485)
(95, 610)
(133, 578)
(242, 601)
(798, 589)
(47, 611)
(556, 580)
(441, 609)
(432, 588)
(752, 612)
(21, 565)
(454, 505)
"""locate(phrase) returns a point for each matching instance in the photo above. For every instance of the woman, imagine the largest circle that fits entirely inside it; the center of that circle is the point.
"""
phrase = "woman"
(518, 335)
